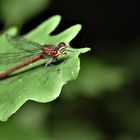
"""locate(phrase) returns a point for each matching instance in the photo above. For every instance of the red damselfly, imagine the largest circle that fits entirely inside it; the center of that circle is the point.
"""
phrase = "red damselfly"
(29, 52)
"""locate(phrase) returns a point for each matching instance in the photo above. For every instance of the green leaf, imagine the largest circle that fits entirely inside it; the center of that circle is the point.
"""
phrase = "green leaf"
(35, 82)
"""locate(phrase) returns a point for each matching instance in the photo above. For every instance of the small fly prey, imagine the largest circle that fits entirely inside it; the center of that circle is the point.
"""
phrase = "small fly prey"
(29, 52)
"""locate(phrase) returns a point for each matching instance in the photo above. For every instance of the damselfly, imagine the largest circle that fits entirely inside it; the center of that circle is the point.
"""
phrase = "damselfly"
(29, 52)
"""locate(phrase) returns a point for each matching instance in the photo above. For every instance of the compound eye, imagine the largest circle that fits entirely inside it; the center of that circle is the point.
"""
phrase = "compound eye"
(62, 44)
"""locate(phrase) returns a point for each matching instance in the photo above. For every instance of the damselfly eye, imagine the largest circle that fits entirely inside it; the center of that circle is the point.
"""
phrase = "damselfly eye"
(62, 44)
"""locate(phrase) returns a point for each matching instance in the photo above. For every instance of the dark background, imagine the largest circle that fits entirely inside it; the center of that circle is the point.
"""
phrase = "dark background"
(102, 22)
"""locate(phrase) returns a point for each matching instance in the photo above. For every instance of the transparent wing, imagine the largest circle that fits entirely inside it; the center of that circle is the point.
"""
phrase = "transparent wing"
(22, 43)
(8, 60)
(26, 49)
(17, 56)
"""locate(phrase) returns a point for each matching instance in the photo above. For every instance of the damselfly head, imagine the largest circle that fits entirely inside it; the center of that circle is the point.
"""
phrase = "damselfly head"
(54, 50)
(62, 48)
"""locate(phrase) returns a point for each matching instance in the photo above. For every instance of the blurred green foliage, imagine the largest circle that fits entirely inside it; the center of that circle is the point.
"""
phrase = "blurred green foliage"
(17, 12)
(26, 126)
(95, 78)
